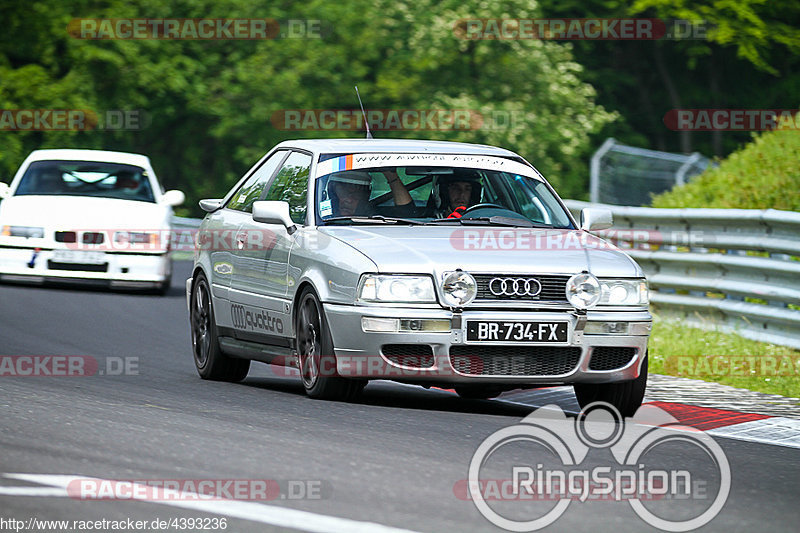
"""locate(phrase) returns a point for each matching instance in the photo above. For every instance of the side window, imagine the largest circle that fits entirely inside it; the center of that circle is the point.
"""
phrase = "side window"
(250, 191)
(291, 185)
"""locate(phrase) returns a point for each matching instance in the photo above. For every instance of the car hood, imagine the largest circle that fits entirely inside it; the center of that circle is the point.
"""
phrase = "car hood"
(436, 249)
(83, 213)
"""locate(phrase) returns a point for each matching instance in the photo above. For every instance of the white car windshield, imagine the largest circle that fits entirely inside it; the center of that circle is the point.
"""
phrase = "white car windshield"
(86, 178)
(436, 195)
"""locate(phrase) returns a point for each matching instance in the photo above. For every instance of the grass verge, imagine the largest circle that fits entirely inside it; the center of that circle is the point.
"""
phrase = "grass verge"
(711, 355)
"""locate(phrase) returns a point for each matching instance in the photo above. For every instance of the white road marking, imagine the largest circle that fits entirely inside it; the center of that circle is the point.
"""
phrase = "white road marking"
(776, 430)
(256, 512)
(33, 491)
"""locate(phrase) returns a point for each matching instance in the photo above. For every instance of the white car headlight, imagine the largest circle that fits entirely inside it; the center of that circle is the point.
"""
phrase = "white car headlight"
(624, 292)
(583, 291)
(29, 232)
(135, 237)
(386, 288)
(459, 289)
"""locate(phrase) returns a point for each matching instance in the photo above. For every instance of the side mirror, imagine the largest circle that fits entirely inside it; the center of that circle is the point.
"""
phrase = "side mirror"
(5, 191)
(596, 218)
(209, 206)
(173, 198)
(274, 212)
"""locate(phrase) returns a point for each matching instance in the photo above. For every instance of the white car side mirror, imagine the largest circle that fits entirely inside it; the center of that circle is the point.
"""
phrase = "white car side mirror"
(274, 212)
(596, 218)
(210, 205)
(173, 198)
(5, 190)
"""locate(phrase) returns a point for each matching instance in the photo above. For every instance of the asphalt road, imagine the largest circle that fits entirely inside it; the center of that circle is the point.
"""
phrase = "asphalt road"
(393, 459)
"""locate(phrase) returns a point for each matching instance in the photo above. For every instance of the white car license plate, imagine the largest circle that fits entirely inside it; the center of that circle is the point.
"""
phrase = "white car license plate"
(79, 256)
(516, 331)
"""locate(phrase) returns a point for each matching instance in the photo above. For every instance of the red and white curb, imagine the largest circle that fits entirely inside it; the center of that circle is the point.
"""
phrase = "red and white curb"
(752, 427)
(717, 409)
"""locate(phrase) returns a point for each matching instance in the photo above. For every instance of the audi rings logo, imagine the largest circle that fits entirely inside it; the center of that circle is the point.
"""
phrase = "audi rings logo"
(515, 287)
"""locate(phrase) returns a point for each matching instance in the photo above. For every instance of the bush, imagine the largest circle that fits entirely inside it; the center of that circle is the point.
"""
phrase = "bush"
(764, 174)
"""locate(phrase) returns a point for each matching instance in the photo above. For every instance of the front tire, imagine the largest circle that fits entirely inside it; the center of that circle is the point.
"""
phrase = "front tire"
(209, 360)
(316, 357)
(625, 396)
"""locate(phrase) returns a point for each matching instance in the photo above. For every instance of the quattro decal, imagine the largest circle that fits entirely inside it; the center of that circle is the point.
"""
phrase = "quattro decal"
(260, 320)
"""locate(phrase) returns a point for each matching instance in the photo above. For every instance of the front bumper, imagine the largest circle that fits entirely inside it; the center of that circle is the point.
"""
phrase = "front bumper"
(120, 269)
(455, 360)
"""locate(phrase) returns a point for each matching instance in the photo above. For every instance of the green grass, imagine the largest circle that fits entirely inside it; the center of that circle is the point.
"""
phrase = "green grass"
(761, 175)
(711, 355)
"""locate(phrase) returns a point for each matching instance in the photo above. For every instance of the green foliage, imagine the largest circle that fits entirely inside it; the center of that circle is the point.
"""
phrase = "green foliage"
(209, 103)
(762, 175)
(748, 59)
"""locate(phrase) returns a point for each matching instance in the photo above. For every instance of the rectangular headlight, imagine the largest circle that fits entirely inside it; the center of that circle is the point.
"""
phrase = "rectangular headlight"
(617, 328)
(394, 325)
(29, 232)
(623, 292)
(135, 237)
(384, 288)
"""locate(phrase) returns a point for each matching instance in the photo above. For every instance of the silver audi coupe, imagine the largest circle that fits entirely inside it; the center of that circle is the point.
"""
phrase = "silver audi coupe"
(431, 263)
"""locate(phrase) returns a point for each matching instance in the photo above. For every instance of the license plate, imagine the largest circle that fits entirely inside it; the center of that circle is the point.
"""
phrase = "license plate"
(516, 331)
(79, 256)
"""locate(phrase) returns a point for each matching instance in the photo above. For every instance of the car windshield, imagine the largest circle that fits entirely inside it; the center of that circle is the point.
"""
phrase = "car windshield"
(437, 195)
(86, 178)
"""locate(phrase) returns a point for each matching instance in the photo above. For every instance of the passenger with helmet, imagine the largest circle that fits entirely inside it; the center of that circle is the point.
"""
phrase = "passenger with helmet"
(453, 194)
(349, 192)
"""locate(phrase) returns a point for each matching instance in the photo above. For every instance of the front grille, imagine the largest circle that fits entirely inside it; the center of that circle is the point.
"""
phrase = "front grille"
(553, 288)
(610, 357)
(93, 237)
(514, 360)
(77, 267)
(66, 236)
(413, 355)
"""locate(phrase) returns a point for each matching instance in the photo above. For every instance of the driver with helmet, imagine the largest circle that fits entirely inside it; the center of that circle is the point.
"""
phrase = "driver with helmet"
(349, 192)
(455, 193)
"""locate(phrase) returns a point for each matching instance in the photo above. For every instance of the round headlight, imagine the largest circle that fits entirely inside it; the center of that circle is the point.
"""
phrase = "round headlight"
(583, 291)
(459, 289)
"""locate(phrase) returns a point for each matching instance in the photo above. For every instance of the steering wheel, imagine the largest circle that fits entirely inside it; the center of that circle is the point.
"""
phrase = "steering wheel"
(481, 206)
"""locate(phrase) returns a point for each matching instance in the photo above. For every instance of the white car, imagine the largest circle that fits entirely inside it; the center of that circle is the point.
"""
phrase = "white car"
(87, 216)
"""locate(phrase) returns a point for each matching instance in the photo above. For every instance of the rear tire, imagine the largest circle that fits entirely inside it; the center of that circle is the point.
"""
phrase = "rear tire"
(625, 396)
(209, 360)
(316, 356)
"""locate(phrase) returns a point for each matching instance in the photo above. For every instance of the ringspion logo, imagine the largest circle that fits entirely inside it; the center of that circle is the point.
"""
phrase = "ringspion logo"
(542, 459)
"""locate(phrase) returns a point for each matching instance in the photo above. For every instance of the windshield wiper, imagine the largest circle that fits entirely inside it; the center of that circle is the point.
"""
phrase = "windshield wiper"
(375, 218)
(492, 221)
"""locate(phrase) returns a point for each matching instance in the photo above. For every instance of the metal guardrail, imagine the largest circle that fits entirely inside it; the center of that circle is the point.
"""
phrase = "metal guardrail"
(736, 269)
(702, 264)
(183, 233)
